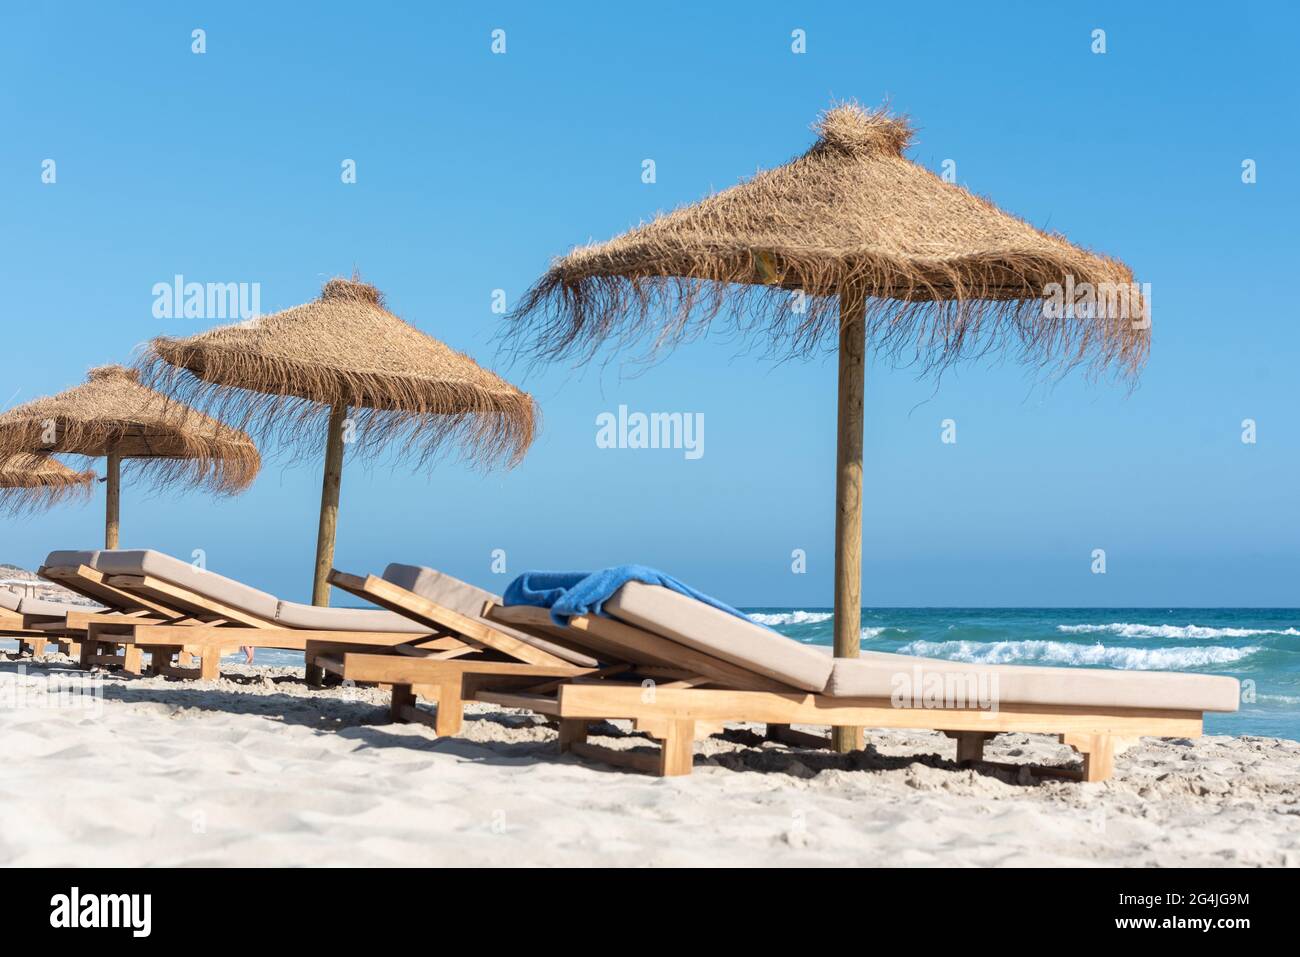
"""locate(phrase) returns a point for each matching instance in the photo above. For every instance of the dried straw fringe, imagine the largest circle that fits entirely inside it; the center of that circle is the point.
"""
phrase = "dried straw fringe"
(931, 318)
(28, 501)
(164, 444)
(52, 490)
(289, 403)
(213, 464)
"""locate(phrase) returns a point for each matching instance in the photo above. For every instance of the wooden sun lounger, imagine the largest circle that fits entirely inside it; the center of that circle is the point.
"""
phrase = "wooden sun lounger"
(124, 608)
(678, 715)
(210, 630)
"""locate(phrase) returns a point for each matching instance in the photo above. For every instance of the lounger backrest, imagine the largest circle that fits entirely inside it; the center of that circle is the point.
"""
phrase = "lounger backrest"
(71, 558)
(70, 561)
(207, 584)
(692, 623)
(9, 600)
(459, 596)
(293, 615)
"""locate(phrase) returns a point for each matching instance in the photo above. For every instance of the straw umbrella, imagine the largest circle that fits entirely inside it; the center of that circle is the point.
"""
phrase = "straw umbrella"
(114, 417)
(35, 482)
(344, 366)
(848, 243)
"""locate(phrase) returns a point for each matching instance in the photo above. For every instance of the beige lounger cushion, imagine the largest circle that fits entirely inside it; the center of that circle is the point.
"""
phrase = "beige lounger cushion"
(53, 609)
(877, 674)
(71, 558)
(9, 600)
(717, 633)
(293, 615)
(227, 591)
(465, 598)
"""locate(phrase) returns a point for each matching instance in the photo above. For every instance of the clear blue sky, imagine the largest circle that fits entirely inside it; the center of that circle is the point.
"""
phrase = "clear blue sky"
(474, 169)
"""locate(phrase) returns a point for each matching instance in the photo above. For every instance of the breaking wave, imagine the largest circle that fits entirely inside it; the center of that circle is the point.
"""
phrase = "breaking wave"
(790, 617)
(1125, 630)
(1063, 653)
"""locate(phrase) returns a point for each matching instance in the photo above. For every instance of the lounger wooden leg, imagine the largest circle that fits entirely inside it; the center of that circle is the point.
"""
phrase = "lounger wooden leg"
(74, 649)
(675, 756)
(970, 747)
(210, 666)
(87, 652)
(37, 646)
(184, 659)
(451, 708)
(314, 675)
(133, 659)
(676, 746)
(970, 744)
(403, 698)
(572, 731)
(784, 734)
(1098, 752)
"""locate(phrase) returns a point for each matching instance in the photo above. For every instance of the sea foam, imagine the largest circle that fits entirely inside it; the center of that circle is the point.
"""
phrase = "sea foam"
(1125, 630)
(790, 617)
(777, 618)
(1060, 652)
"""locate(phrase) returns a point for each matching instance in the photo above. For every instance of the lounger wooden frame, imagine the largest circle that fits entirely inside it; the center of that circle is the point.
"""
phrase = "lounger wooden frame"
(451, 682)
(14, 625)
(210, 642)
(672, 715)
(68, 631)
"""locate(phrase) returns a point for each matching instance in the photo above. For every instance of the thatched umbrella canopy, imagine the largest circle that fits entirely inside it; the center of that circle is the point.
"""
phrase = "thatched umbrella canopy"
(343, 364)
(33, 482)
(848, 243)
(115, 417)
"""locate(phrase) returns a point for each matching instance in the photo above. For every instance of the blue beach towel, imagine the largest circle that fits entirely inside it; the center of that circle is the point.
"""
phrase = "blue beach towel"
(584, 593)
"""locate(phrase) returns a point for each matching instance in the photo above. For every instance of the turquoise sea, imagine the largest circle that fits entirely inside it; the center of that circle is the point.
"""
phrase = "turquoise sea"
(1251, 644)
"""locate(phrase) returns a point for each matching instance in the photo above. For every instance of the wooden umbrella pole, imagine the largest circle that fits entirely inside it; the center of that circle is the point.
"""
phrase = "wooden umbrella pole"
(848, 492)
(329, 506)
(113, 500)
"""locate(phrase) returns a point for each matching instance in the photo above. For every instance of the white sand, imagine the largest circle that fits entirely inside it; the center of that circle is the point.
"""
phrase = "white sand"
(257, 769)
